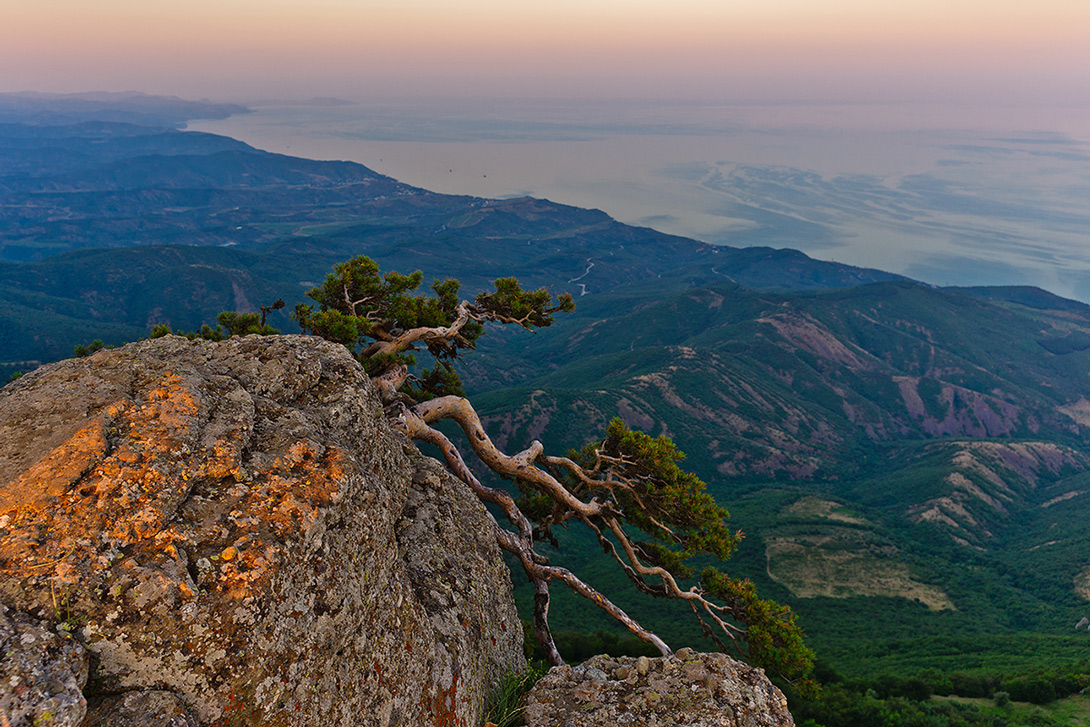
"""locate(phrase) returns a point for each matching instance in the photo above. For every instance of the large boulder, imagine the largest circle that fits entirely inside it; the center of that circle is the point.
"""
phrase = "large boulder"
(685, 690)
(235, 525)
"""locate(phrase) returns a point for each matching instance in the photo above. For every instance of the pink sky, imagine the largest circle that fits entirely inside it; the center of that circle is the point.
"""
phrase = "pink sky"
(1037, 51)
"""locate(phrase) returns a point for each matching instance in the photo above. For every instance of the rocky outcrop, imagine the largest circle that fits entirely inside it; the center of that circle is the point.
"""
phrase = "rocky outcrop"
(233, 532)
(684, 690)
(42, 674)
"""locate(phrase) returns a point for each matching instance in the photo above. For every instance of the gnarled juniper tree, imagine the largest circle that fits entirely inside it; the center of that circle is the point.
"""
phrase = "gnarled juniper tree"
(624, 484)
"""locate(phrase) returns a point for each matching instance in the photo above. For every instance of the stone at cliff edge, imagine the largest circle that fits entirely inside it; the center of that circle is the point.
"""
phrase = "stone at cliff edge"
(684, 690)
(233, 528)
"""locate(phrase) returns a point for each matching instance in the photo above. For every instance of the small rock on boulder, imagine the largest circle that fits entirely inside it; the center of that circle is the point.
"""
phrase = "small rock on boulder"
(685, 690)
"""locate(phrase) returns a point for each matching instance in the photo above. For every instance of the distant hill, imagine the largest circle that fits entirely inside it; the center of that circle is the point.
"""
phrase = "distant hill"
(58, 109)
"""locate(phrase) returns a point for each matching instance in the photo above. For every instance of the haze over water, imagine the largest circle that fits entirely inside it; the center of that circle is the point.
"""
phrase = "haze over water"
(948, 194)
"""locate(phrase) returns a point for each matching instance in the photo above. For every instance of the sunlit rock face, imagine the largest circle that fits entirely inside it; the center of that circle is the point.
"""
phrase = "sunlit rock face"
(234, 524)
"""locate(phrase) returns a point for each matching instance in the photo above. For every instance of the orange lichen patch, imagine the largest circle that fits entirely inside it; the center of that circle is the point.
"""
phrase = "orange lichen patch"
(294, 514)
(443, 706)
(248, 574)
(308, 476)
(222, 461)
(300, 454)
(114, 410)
(65, 574)
(55, 473)
(128, 455)
(123, 475)
(257, 516)
(171, 410)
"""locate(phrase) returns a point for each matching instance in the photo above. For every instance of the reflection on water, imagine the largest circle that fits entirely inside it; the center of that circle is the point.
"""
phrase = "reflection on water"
(948, 196)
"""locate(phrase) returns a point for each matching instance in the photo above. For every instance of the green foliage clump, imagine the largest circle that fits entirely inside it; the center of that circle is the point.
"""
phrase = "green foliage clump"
(245, 324)
(647, 488)
(228, 323)
(82, 351)
(206, 332)
(1036, 689)
(357, 306)
(368, 311)
(773, 638)
(662, 499)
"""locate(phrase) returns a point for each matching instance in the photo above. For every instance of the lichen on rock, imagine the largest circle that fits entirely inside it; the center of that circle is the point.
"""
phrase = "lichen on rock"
(234, 523)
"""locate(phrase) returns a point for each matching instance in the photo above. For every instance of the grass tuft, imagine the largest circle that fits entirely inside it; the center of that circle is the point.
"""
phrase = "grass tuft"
(504, 705)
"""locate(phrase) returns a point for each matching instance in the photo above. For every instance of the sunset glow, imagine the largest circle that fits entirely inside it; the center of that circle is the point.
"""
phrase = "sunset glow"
(245, 48)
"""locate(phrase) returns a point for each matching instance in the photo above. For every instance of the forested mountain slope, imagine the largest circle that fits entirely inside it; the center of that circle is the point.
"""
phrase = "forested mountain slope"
(890, 440)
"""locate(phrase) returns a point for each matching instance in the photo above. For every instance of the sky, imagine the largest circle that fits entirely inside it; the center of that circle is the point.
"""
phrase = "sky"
(1014, 51)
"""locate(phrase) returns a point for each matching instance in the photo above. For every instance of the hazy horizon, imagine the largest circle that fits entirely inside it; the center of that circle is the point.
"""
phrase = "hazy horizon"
(967, 50)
